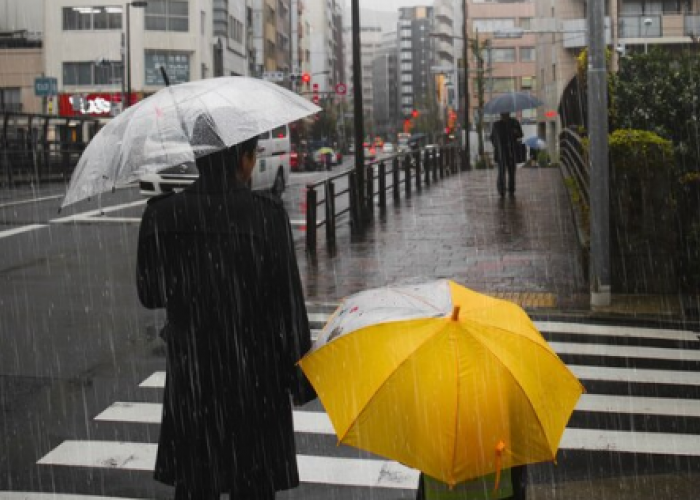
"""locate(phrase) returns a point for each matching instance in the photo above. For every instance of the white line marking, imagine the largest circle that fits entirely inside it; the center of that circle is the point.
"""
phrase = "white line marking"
(32, 200)
(616, 331)
(318, 317)
(625, 351)
(631, 442)
(32, 495)
(635, 375)
(312, 469)
(20, 230)
(297, 222)
(91, 213)
(100, 219)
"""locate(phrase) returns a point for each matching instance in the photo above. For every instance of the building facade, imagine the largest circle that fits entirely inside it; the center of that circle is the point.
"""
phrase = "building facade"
(232, 37)
(386, 88)
(630, 25)
(415, 59)
(137, 42)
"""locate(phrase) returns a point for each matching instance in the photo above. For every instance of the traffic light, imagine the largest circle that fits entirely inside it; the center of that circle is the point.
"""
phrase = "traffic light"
(305, 78)
(414, 113)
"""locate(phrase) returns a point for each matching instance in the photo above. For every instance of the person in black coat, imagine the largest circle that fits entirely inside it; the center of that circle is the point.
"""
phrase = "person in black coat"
(220, 259)
(505, 138)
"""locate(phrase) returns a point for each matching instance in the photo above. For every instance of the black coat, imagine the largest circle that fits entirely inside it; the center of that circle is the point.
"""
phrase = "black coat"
(504, 137)
(223, 265)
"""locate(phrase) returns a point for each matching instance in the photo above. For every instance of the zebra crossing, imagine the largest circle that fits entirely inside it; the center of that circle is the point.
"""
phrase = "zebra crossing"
(641, 401)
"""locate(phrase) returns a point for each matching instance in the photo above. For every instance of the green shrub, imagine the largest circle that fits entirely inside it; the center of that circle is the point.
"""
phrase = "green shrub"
(634, 149)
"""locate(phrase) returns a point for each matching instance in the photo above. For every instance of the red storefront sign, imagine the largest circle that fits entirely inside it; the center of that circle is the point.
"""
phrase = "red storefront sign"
(97, 104)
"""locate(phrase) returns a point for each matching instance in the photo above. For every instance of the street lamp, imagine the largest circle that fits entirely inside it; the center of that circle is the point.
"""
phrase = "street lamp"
(647, 22)
(128, 47)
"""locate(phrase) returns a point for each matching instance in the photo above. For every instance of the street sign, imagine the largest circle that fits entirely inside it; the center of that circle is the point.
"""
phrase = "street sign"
(341, 89)
(273, 76)
(45, 87)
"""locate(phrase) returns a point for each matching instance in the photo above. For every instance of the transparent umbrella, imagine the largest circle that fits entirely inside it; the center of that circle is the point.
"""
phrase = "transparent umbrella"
(159, 132)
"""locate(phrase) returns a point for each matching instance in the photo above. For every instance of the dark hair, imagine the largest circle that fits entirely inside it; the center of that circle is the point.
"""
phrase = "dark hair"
(227, 158)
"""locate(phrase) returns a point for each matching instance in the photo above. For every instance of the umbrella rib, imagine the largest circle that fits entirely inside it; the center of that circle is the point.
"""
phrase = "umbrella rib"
(539, 420)
(429, 337)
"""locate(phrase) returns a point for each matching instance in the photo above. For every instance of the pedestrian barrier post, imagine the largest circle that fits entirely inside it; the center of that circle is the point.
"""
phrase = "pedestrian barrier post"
(395, 178)
(382, 185)
(355, 223)
(407, 174)
(443, 154)
(330, 213)
(429, 158)
(417, 157)
(311, 220)
(369, 175)
(434, 164)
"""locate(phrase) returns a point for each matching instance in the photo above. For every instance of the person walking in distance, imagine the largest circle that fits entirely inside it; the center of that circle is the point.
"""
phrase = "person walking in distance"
(220, 259)
(505, 138)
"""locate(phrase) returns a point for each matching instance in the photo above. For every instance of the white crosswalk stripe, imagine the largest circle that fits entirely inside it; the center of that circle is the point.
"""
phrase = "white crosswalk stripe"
(567, 339)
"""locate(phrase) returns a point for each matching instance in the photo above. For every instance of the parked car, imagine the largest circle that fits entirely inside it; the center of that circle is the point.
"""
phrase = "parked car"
(271, 171)
(351, 148)
(388, 148)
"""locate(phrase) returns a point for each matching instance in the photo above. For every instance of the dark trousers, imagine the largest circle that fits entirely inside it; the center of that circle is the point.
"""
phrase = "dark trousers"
(206, 491)
(506, 168)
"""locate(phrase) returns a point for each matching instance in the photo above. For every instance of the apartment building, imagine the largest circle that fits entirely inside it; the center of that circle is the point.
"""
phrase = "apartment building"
(631, 25)
(508, 63)
(385, 87)
(21, 55)
(232, 37)
(415, 58)
(90, 44)
(373, 27)
(325, 36)
(272, 46)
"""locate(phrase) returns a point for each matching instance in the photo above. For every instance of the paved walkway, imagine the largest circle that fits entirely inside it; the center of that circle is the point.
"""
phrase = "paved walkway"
(522, 248)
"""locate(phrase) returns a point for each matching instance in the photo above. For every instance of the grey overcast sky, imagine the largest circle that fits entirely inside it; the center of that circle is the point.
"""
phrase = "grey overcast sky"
(390, 5)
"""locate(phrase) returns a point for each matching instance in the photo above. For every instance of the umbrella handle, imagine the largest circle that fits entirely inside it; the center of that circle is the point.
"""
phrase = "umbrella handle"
(455, 313)
(500, 447)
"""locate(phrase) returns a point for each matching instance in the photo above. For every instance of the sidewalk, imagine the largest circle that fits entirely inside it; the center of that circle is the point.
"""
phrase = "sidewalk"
(522, 249)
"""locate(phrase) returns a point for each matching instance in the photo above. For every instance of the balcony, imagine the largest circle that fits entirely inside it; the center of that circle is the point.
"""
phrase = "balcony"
(669, 28)
(574, 33)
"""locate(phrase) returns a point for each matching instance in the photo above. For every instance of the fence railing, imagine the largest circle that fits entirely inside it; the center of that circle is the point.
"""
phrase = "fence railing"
(574, 162)
(36, 148)
(337, 196)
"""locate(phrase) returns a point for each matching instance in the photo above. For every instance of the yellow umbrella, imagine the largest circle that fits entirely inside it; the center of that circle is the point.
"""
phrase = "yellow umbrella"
(443, 379)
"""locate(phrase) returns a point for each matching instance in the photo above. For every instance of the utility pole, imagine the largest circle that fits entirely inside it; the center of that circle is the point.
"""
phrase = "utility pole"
(466, 159)
(600, 281)
(359, 117)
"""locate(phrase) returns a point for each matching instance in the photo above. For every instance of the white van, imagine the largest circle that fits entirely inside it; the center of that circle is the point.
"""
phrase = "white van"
(271, 172)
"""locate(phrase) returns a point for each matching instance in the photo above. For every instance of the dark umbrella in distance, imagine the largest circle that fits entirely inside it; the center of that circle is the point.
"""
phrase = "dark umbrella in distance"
(510, 103)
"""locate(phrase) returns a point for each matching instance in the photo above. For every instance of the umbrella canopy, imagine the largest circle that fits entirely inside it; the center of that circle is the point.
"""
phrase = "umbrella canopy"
(535, 142)
(159, 131)
(443, 379)
(325, 150)
(510, 103)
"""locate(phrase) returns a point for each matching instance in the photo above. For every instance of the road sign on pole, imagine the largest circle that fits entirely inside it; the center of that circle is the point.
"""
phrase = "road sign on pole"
(341, 89)
(45, 86)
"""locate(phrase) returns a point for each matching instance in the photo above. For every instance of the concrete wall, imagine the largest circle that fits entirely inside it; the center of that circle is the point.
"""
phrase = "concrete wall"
(18, 69)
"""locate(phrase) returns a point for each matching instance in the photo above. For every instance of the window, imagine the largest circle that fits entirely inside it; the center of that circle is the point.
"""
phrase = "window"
(89, 73)
(527, 54)
(92, 18)
(501, 85)
(487, 25)
(77, 73)
(529, 83)
(176, 64)
(525, 23)
(167, 15)
(10, 99)
(503, 55)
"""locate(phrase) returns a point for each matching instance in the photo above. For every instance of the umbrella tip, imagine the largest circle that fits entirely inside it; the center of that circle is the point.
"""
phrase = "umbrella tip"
(455, 313)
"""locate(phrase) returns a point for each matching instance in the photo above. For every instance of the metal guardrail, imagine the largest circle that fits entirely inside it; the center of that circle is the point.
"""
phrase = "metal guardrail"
(36, 148)
(391, 174)
(574, 162)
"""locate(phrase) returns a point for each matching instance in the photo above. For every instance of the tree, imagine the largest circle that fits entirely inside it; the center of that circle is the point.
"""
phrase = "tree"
(666, 100)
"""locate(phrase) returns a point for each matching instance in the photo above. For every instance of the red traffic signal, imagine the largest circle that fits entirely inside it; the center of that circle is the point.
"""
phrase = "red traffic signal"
(305, 77)
(414, 113)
